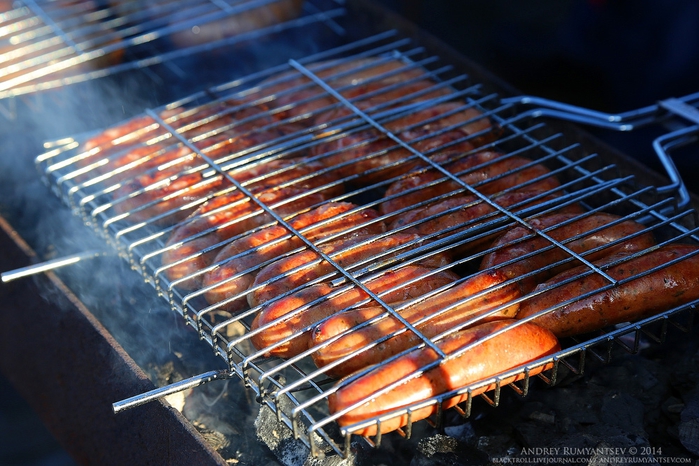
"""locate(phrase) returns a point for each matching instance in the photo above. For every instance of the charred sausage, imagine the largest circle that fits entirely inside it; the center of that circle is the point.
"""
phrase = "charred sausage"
(296, 270)
(476, 296)
(460, 213)
(233, 277)
(300, 311)
(485, 171)
(594, 231)
(376, 157)
(381, 80)
(632, 299)
(398, 384)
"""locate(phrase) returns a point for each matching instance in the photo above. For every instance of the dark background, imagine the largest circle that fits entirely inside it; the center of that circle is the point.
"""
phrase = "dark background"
(611, 56)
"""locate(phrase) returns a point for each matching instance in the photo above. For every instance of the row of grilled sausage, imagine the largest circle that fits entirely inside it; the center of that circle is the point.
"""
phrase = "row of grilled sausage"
(226, 245)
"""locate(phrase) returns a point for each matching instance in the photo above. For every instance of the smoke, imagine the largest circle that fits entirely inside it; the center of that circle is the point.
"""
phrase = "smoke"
(140, 320)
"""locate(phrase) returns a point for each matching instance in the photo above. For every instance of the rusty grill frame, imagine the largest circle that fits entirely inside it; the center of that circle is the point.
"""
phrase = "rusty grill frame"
(586, 180)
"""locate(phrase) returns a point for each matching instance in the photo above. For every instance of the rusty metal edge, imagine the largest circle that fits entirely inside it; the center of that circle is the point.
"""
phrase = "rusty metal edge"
(74, 400)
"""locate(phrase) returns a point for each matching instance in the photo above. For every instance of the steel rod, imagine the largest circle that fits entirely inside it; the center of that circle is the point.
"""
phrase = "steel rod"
(176, 387)
(51, 265)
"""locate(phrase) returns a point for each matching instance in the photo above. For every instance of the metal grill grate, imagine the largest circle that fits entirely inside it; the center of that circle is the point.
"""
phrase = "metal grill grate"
(342, 126)
(49, 45)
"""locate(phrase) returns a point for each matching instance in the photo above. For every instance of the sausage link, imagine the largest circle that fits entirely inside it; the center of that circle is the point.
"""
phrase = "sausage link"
(158, 191)
(398, 285)
(467, 210)
(237, 275)
(369, 150)
(570, 226)
(517, 346)
(474, 297)
(670, 286)
(188, 251)
(132, 133)
(305, 266)
(232, 214)
(474, 170)
(355, 78)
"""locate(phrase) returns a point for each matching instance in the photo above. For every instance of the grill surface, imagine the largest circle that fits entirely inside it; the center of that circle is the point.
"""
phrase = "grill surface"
(138, 224)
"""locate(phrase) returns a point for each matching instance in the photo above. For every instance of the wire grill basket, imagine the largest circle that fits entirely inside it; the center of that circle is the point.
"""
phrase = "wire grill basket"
(349, 114)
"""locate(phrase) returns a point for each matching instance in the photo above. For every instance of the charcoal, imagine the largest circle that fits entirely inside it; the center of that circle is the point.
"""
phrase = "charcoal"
(673, 406)
(496, 447)
(290, 452)
(462, 432)
(437, 444)
(546, 418)
(536, 434)
(624, 411)
(279, 439)
(606, 453)
(461, 457)
(691, 405)
(689, 435)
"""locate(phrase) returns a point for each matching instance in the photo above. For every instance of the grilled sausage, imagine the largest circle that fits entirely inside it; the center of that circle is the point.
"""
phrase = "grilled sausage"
(381, 80)
(300, 312)
(475, 170)
(376, 157)
(242, 21)
(375, 393)
(231, 214)
(476, 296)
(294, 96)
(235, 276)
(226, 216)
(637, 298)
(463, 212)
(190, 122)
(296, 270)
(187, 179)
(593, 234)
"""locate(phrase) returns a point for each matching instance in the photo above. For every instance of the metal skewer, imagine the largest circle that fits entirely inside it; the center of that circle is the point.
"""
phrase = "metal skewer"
(176, 387)
(51, 265)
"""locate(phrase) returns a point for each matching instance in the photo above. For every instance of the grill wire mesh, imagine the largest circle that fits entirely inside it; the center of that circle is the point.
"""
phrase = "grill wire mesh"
(138, 183)
(48, 45)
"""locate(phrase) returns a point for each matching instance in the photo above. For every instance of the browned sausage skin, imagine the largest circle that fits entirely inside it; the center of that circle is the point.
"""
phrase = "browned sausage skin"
(397, 384)
(299, 311)
(377, 78)
(240, 259)
(187, 178)
(483, 295)
(282, 105)
(369, 151)
(475, 170)
(291, 272)
(599, 230)
(637, 298)
(232, 213)
(141, 131)
(354, 340)
(189, 247)
(461, 213)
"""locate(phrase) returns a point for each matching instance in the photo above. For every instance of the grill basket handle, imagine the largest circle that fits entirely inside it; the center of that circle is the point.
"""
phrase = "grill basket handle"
(629, 121)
